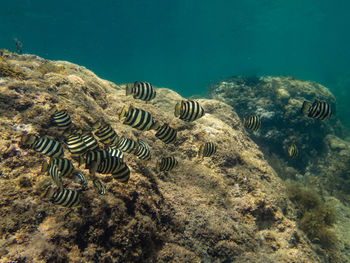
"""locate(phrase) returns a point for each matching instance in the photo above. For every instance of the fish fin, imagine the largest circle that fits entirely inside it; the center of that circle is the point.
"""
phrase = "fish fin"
(178, 107)
(306, 107)
(93, 168)
(45, 167)
(122, 113)
(97, 125)
(48, 193)
(155, 125)
(128, 89)
(201, 151)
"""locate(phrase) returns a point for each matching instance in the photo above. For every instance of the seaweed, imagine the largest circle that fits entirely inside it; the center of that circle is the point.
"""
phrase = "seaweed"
(315, 217)
(7, 70)
(51, 67)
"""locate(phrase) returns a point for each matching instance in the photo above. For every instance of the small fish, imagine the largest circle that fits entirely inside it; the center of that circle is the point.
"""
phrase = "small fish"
(90, 141)
(18, 45)
(56, 176)
(100, 187)
(320, 110)
(166, 134)
(138, 119)
(105, 133)
(141, 90)
(109, 165)
(95, 157)
(293, 151)
(207, 149)
(142, 151)
(61, 119)
(125, 145)
(252, 122)
(64, 197)
(65, 166)
(122, 174)
(188, 110)
(82, 178)
(167, 164)
(43, 145)
(76, 145)
(116, 153)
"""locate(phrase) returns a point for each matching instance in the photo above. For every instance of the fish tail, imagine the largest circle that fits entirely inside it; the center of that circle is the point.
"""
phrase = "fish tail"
(178, 109)
(201, 151)
(123, 113)
(128, 89)
(155, 125)
(306, 107)
(44, 167)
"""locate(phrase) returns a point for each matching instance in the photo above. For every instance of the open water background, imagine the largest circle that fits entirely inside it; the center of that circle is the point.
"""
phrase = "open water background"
(187, 44)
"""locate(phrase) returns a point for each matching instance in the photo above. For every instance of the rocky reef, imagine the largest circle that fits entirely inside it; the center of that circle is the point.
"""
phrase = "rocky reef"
(231, 207)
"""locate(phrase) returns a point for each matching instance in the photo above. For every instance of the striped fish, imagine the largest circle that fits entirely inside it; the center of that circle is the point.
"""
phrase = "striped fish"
(320, 110)
(95, 157)
(48, 147)
(76, 145)
(142, 151)
(65, 166)
(166, 134)
(141, 90)
(100, 187)
(188, 110)
(167, 164)
(109, 165)
(82, 179)
(138, 119)
(55, 175)
(293, 151)
(61, 119)
(90, 141)
(125, 145)
(207, 149)
(122, 174)
(65, 197)
(115, 153)
(252, 122)
(105, 133)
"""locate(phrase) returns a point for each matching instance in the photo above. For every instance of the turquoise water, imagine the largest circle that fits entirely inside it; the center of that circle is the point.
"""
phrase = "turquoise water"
(187, 44)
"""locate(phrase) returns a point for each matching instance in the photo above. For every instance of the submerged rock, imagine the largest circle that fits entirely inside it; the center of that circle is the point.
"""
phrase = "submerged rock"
(231, 207)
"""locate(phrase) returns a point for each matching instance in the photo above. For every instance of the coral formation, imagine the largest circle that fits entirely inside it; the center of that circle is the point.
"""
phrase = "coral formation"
(229, 207)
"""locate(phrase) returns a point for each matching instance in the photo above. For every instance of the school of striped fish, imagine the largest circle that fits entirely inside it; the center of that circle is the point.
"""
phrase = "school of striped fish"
(85, 146)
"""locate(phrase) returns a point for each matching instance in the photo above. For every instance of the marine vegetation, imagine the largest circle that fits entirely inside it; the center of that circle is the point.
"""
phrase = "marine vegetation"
(315, 218)
(8, 70)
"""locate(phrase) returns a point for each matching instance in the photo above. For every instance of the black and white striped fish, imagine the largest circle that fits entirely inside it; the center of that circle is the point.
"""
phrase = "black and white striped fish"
(90, 141)
(141, 90)
(65, 166)
(105, 133)
(207, 149)
(166, 133)
(167, 164)
(95, 157)
(142, 151)
(61, 119)
(252, 122)
(82, 179)
(293, 151)
(188, 110)
(109, 165)
(122, 174)
(116, 153)
(100, 187)
(320, 110)
(55, 175)
(43, 145)
(125, 145)
(138, 119)
(76, 145)
(65, 197)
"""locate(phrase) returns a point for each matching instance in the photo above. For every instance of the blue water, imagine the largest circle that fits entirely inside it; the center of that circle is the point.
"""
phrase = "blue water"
(187, 44)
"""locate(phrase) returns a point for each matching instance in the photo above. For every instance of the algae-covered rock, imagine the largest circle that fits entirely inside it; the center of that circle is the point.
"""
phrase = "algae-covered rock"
(230, 207)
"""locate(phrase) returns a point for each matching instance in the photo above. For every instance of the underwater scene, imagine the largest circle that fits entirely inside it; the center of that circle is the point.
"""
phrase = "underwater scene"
(175, 131)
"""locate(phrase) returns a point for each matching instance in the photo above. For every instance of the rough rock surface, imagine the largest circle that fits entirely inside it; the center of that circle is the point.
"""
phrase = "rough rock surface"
(278, 100)
(228, 208)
